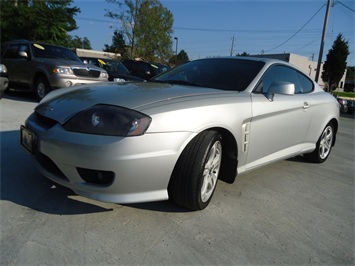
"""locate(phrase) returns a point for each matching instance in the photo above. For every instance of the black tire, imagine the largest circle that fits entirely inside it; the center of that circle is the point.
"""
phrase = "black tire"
(195, 175)
(324, 145)
(41, 87)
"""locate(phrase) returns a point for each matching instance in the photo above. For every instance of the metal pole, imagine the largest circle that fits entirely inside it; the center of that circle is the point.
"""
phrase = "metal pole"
(323, 40)
(232, 46)
(177, 40)
(176, 49)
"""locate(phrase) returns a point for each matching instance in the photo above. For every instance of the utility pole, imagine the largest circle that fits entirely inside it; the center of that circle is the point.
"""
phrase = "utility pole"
(232, 46)
(323, 40)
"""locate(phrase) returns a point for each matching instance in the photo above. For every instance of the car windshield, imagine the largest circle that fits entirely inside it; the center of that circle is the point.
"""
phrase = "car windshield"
(52, 51)
(114, 66)
(224, 74)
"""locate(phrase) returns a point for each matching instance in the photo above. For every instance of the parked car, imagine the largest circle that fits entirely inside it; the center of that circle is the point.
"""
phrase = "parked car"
(350, 104)
(349, 86)
(41, 67)
(116, 70)
(343, 105)
(143, 69)
(162, 68)
(4, 81)
(176, 135)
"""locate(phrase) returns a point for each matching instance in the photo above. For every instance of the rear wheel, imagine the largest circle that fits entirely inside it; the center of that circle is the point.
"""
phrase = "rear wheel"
(324, 145)
(41, 88)
(196, 173)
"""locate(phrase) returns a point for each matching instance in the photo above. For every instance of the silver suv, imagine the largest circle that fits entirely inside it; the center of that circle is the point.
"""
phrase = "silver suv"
(43, 67)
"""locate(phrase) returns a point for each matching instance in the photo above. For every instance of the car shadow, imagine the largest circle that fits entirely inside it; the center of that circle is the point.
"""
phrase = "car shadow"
(22, 184)
(159, 206)
(347, 115)
(22, 96)
(299, 159)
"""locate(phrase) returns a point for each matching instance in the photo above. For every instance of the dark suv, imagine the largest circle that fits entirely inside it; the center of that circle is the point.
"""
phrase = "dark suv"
(144, 70)
(43, 67)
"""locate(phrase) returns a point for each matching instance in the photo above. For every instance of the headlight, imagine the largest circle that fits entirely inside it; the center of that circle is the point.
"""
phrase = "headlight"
(63, 70)
(109, 120)
(104, 75)
(3, 68)
(119, 80)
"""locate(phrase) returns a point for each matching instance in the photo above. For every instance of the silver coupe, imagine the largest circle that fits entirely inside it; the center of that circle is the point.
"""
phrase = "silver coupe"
(174, 136)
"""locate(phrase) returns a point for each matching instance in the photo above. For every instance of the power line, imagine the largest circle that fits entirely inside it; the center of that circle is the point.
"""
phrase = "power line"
(201, 29)
(96, 20)
(344, 6)
(232, 30)
(296, 31)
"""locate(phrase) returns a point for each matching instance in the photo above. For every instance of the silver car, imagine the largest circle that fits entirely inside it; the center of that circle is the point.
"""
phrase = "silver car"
(175, 136)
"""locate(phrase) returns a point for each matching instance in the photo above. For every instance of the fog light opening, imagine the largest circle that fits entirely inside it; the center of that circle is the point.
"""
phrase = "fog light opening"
(68, 84)
(96, 177)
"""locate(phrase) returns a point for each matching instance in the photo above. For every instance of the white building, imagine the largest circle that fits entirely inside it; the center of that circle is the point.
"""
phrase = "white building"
(96, 54)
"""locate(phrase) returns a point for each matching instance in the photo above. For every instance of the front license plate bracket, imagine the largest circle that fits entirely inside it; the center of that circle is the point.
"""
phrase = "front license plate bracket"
(27, 139)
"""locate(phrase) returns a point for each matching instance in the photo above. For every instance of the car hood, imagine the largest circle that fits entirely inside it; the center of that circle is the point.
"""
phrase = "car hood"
(69, 63)
(63, 104)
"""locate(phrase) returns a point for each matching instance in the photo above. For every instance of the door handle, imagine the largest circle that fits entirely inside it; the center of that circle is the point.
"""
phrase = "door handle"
(306, 105)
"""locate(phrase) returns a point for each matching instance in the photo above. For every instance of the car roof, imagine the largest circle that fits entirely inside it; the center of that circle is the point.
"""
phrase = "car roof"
(247, 58)
(33, 42)
(267, 61)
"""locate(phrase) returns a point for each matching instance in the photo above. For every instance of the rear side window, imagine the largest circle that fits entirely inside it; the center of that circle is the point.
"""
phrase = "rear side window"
(11, 52)
(306, 83)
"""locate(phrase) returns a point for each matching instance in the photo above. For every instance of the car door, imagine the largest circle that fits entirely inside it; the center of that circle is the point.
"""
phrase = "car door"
(278, 126)
(19, 68)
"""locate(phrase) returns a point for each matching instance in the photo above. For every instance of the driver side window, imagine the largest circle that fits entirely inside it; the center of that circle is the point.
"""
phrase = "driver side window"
(279, 73)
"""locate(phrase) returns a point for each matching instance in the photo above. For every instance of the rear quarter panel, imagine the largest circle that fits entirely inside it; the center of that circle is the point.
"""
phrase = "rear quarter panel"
(324, 109)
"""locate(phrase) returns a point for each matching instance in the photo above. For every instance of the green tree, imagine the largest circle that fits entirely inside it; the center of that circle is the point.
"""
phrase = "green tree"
(147, 24)
(118, 45)
(334, 66)
(41, 20)
(154, 31)
(77, 42)
(181, 58)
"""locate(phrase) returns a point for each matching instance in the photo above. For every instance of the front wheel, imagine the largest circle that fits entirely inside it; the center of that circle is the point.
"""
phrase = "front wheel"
(196, 173)
(323, 146)
(41, 87)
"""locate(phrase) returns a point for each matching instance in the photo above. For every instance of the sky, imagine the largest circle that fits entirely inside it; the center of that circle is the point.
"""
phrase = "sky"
(208, 28)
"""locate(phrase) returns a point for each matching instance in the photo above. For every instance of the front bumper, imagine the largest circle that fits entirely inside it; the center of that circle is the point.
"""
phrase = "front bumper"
(4, 82)
(141, 166)
(65, 81)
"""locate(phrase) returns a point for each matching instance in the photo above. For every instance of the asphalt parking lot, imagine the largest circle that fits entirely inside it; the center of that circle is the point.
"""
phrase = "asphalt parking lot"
(290, 212)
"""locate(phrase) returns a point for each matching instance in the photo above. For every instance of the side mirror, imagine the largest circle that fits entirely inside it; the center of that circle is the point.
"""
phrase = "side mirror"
(23, 54)
(280, 87)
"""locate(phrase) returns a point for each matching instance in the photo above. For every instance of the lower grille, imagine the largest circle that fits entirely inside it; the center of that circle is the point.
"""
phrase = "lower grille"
(49, 165)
